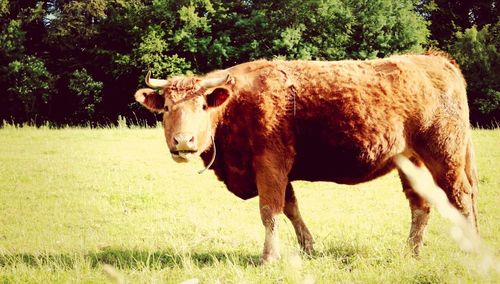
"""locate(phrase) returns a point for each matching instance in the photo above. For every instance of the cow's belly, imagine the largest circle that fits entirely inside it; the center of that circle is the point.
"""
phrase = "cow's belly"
(340, 165)
(347, 163)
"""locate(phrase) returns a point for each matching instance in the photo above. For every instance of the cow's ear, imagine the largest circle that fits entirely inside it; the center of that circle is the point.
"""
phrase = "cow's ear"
(150, 99)
(217, 97)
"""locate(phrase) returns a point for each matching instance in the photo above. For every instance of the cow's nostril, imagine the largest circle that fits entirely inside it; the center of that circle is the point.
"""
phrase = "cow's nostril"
(183, 140)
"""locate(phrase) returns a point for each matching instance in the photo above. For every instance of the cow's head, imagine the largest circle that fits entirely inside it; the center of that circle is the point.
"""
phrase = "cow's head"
(191, 108)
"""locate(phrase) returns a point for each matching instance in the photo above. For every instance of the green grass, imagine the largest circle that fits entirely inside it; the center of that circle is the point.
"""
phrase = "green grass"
(72, 200)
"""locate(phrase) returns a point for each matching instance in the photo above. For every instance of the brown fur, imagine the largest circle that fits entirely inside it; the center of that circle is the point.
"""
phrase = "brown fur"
(339, 121)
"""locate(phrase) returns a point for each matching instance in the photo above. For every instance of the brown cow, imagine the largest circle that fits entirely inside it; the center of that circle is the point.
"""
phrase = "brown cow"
(266, 123)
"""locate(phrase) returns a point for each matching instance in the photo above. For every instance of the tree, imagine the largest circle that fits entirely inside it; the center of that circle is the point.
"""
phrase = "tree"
(478, 53)
(152, 53)
(386, 27)
(330, 29)
(4, 7)
(447, 17)
(30, 89)
(88, 95)
(26, 84)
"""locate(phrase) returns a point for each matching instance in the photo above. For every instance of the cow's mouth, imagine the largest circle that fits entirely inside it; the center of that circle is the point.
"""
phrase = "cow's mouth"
(183, 152)
(183, 155)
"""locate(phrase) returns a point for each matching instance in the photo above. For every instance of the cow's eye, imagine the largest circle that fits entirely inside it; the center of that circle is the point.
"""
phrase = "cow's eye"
(165, 108)
(205, 107)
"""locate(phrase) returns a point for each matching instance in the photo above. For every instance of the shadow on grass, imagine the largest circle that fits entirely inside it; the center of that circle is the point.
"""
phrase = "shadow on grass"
(130, 259)
(347, 255)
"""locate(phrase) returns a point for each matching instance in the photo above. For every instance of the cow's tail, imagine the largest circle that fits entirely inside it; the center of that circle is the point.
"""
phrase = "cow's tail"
(422, 182)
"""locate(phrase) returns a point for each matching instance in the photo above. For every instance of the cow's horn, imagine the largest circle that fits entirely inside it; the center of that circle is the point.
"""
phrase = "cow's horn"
(154, 83)
(214, 82)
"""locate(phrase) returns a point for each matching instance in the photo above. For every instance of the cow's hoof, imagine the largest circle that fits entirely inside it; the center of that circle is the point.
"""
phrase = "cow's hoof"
(269, 258)
(306, 244)
(414, 247)
(308, 249)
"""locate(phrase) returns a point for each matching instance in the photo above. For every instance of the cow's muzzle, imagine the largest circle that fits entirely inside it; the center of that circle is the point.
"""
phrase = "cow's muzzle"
(184, 147)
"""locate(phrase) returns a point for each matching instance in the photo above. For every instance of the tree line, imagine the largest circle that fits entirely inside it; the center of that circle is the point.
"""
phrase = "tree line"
(76, 62)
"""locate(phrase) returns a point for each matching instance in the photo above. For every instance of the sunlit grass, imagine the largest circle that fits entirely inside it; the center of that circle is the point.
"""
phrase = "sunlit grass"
(74, 199)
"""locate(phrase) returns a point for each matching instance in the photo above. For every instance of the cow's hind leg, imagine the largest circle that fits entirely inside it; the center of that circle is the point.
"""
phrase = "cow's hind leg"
(420, 210)
(447, 153)
(470, 170)
(291, 211)
(453, 180)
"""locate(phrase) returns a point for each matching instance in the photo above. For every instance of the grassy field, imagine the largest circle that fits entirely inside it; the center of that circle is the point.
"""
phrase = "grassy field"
(74, 200)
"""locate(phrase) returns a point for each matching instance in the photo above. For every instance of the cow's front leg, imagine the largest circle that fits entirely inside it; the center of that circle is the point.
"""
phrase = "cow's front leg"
(271, 180)
(271, 250)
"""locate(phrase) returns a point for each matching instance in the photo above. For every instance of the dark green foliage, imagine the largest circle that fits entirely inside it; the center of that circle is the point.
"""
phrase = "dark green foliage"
(88, 94)
(478, 53)
(26, 82)
(12, 39)
(448, 16)
(31, 86)
(79, 62)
